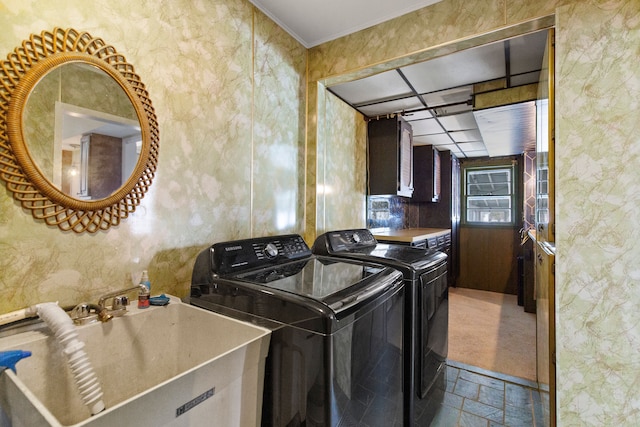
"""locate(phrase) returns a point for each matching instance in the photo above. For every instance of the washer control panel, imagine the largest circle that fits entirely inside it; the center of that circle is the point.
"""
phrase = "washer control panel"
(288, 247)
(239, 255)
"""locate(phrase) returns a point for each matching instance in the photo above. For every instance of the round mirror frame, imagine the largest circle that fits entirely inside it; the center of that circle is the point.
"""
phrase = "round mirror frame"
(19, 73)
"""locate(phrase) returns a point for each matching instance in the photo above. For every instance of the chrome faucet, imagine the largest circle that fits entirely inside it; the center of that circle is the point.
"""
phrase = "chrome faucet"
(82, 312)
(119, 304)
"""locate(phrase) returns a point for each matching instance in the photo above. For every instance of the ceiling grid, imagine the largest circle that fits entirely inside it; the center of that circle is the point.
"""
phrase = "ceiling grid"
(437, 97)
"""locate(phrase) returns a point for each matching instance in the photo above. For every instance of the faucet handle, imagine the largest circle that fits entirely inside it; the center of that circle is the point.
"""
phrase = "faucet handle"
(80, 311)
(120, 302)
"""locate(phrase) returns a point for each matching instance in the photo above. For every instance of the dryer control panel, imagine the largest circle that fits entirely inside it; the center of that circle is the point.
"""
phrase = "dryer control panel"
(343, 240)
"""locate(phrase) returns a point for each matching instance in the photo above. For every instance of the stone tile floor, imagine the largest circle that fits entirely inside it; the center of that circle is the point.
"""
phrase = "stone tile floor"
(468, 396)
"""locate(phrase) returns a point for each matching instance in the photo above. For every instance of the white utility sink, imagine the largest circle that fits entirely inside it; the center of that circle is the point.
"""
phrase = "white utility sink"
(176, 365)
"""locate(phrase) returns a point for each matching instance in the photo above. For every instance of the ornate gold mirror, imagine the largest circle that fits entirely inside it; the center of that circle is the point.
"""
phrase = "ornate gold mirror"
(79, 137)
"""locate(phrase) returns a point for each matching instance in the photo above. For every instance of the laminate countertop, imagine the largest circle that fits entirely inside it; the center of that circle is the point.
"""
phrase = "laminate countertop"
(408, 235)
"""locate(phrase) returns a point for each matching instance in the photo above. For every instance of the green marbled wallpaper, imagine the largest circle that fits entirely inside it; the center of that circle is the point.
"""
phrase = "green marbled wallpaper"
(279, 115)
(597, 204)
(344, 166)
(228, 88)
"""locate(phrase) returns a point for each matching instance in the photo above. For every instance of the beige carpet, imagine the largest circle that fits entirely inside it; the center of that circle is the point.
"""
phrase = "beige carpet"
(489, 330)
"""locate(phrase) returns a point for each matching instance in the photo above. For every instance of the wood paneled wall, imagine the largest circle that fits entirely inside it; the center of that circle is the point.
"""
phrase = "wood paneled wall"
(488, 259)
(489, 255)
(105, 165)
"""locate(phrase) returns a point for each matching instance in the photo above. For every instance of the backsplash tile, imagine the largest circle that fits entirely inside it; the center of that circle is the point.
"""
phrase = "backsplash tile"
(392, 212)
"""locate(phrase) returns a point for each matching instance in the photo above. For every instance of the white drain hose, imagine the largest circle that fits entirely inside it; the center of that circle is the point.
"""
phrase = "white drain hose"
(65, 331)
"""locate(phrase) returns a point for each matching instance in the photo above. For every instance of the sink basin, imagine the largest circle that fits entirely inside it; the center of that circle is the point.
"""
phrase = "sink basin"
(176, 365)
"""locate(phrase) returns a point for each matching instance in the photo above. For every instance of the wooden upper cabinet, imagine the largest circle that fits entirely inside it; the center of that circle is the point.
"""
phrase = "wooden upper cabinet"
(427, 169)
(390, 157)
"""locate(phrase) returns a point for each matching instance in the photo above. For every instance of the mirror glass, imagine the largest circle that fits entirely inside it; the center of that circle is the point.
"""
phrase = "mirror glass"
(82, 131)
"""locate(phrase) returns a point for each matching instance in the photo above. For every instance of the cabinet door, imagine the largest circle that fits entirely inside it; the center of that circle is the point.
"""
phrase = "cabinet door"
(427, 172)
(545, 325)
(405, 164)
(390, 157)
(454, 208)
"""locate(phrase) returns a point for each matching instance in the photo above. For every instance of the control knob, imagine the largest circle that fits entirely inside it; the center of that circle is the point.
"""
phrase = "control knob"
(271, 250)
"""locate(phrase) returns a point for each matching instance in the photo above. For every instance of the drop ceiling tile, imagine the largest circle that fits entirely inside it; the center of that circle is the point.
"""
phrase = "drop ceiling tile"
(450, 70)
(472, 146)
(508, 129)
(426, 127)
(450, 147)
(453, 148)
(524, 79)
(477, 153)
(526, 52)
(396, 106)
(449, 96)
(452, 109)
(371, 89)
(438, 139)
(466, 135)
(418, 115)
(464, 121)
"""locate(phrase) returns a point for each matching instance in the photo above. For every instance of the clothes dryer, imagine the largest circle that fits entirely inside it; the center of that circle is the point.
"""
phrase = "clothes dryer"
(426, 305)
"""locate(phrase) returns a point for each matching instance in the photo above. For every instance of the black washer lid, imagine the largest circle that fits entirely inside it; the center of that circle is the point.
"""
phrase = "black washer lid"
(317, 277)
(360, 244)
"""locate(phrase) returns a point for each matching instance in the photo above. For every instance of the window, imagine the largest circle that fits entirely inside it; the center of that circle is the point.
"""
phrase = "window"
(489, 195)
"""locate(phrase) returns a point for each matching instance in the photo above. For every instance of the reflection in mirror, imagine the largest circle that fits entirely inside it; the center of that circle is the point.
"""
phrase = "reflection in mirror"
(94, 153)
(82, 131)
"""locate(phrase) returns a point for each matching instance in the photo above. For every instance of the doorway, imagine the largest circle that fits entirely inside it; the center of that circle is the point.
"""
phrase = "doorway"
(445, 107)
